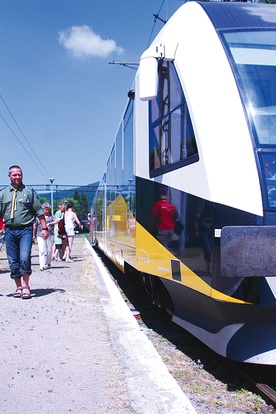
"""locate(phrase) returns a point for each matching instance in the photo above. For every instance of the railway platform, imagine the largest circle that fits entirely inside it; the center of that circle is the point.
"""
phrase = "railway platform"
(75, 347)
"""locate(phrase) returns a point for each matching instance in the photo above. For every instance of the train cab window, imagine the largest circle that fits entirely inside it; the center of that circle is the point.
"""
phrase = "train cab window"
(172, 139)
(253, 57)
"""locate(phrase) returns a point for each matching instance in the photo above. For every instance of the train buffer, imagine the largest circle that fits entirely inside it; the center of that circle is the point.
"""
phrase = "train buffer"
(76, 347)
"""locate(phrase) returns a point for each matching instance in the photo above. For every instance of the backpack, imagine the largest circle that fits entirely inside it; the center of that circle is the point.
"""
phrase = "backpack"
(61, 228)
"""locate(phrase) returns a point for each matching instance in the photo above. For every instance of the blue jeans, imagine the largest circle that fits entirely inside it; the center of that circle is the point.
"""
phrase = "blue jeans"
(18, 248)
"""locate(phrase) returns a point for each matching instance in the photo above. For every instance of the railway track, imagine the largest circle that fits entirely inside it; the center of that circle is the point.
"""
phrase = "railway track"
(268, 393)
(257, 376)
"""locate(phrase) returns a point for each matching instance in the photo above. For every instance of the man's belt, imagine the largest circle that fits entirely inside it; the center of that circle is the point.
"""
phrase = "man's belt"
(8, 226)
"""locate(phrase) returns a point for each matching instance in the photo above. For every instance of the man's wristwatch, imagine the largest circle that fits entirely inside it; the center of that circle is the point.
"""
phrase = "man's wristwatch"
(45, 228)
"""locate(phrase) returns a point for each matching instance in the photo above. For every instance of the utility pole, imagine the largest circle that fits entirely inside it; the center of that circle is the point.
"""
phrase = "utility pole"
(52, 198)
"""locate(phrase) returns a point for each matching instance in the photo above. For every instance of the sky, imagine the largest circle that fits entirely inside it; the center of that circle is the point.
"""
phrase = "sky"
(60, 100)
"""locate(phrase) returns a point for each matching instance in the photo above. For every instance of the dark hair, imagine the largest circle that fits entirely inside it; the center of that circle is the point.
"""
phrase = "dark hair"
(15, 166)
(163, 192)
(69, 205)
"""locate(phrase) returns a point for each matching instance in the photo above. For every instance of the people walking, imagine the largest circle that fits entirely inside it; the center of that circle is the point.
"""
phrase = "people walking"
(70, 219)
(60, 244)
(45, 246)
(19, 206)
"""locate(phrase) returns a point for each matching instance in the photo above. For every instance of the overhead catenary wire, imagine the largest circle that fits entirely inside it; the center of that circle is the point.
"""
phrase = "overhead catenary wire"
(44, 173)
(156, 17)
(22, 145)
(134, 65)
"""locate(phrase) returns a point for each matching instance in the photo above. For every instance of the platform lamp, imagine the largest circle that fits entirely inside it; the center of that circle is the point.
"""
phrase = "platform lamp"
(52, 199)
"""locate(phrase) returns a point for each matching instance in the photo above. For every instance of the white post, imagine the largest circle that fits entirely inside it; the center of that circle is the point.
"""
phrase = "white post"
(52, 199)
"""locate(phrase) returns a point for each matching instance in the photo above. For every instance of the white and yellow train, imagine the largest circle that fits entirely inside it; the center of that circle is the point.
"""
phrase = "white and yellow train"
(200, 123)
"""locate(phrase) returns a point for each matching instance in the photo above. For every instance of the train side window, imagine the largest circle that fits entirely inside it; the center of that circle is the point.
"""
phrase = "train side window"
(172, 139)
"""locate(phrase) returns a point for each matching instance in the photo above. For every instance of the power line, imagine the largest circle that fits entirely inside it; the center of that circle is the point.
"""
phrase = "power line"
(16, 123)
(156, 16)
(22, 145)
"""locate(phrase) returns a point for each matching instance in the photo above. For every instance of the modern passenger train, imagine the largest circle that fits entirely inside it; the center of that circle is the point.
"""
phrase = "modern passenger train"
(200, 127)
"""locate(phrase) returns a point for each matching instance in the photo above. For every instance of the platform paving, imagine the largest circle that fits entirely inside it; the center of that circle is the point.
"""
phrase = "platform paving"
(75, 347)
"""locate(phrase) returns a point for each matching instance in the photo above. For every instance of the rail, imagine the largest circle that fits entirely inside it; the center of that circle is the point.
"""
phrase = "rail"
(255, 375)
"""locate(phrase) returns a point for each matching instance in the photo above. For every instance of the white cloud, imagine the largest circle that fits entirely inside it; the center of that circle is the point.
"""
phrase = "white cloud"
(82, 42)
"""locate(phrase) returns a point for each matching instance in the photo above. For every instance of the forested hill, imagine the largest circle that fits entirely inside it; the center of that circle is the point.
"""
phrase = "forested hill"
(59, 194)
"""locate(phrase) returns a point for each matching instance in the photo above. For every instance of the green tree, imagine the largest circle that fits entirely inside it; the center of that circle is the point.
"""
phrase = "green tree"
(76, 203)
(43, 200)
(76, 196)
(98, 205)
(84, 206)
(81, 204)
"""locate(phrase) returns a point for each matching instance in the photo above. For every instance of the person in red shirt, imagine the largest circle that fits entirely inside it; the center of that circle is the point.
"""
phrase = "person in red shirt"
(164, 215)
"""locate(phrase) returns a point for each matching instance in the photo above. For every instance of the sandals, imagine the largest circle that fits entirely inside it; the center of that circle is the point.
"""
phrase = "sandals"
(26, 293)
(18, 292)
(22, 292)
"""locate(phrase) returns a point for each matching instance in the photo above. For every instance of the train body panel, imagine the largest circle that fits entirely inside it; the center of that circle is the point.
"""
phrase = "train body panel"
(194, 210)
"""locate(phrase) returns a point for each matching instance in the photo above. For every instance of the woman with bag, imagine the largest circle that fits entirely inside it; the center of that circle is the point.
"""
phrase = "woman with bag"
(60, 238)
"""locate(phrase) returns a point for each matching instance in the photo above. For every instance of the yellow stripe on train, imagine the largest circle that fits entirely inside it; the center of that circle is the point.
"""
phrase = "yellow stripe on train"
(155, 259)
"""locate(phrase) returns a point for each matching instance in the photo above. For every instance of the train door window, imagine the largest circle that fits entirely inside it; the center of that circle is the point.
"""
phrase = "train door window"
(172, 139)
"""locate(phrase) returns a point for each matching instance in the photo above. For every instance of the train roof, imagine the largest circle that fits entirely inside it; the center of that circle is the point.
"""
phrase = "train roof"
(228, 15)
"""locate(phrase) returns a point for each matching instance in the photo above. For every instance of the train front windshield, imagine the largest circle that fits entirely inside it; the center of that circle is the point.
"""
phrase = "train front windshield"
(253, 57)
